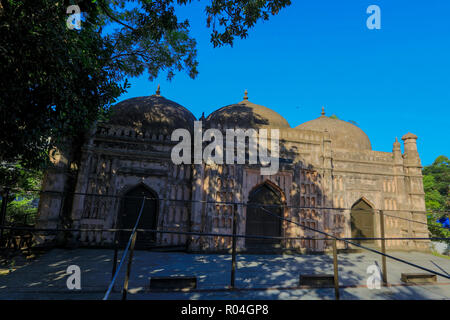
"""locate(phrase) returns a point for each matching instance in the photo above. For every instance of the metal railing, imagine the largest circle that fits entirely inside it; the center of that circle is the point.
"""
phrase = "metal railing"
(328, 236)
(130, 246)
(129, 249)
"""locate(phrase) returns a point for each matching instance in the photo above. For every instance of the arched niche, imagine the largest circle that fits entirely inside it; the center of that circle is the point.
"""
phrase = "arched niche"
(264, 209)
(363, 221)
(129, 211)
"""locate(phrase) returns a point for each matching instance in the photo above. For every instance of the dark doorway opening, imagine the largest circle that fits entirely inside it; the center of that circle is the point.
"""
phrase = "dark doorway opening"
(131, 205)
(261, 223)
(362, 222)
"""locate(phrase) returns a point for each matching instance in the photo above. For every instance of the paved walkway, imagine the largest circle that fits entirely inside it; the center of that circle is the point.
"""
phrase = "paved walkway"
(257, 276)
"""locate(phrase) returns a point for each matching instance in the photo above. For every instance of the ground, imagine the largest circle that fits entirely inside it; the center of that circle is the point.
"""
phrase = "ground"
(257, 276)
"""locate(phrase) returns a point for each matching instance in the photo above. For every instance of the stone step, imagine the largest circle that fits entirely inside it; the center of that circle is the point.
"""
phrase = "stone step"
(317, 280)
(173, 283)
(418, 278)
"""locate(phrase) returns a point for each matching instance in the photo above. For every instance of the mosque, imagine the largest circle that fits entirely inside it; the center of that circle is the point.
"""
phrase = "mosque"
(329, 179)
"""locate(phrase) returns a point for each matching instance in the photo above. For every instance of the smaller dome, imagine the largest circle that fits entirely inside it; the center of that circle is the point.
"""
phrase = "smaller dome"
(344, 135)
(246, 115)
(151, 113)
(409, 135)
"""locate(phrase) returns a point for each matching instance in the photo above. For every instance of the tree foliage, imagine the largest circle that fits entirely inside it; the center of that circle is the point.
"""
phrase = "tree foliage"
(23, 185)
(21, 212)
(16, 177)
(56, 82)
(233, 18)
(436, 183)
(439, 179)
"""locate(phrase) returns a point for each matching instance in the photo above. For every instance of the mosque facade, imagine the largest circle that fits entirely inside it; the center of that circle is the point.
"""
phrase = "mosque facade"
(329, 179)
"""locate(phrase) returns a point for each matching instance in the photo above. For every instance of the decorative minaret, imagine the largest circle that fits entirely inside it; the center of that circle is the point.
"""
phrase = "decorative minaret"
(411, 155)
(414, 189)
(397, 151)
(327, 186)
(399, 180)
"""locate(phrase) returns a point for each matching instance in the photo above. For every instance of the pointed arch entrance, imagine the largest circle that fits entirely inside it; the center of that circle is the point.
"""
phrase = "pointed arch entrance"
(363, 221)
(261, 223)
(130, 207)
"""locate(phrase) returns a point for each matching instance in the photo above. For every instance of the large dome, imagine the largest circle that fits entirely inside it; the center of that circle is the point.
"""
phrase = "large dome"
(343, 134)
(245, 115)
(151, 113)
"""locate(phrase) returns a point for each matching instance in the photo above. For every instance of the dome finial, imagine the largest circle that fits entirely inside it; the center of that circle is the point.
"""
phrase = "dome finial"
(158, 90)
(323, 111)
(245, 94)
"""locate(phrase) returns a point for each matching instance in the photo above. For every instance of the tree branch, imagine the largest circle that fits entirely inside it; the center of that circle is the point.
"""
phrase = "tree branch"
(105, 9)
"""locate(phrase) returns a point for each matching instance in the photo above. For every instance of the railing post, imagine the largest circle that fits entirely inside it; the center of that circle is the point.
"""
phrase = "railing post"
(130, 261)
(336, 271)
(3, 213)
(116, 251)
(233, 252)
(383, 248)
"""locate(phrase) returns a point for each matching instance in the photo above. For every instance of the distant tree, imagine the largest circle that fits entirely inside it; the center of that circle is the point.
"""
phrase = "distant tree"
(16, 177)
(440, 170)
(436, 183)
(18, 180)
(21, 211)
(19, 188)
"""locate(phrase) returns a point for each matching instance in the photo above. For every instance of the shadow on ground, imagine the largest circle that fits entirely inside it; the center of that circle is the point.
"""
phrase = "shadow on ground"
(257, 276)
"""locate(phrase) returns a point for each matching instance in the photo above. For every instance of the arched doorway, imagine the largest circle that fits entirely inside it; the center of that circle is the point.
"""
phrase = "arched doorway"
(261, 223)
(131, 205)
(362, 221)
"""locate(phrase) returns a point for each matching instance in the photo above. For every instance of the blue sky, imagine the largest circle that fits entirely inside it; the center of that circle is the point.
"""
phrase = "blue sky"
(390, 81)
